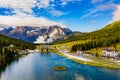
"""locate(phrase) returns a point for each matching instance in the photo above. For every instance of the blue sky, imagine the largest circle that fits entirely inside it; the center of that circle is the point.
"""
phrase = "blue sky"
(78, 15)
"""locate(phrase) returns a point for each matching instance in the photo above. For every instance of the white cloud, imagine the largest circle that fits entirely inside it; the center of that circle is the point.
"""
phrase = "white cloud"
(18, 5)
(43, 3)
(116, 14)
(101, 7)
(93, 21)
(24, 6)
(57, 13)
(24, 15)
(64, 2)
(28, 21)
(97, 1)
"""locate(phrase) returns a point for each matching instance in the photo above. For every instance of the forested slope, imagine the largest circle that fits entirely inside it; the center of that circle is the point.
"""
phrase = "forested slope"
(6, 41)
(110, 31)
(107, 36)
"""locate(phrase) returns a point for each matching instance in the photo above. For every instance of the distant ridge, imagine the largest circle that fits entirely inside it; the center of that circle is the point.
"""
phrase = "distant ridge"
(31, 33)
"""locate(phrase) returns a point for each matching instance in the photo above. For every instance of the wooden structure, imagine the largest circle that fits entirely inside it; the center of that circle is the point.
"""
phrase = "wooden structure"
(45, 48)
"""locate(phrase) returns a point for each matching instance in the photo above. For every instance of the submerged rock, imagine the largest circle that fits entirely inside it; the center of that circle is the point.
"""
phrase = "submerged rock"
(59, 68)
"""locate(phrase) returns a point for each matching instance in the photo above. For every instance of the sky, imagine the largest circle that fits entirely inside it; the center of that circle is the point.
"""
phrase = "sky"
(77, 15)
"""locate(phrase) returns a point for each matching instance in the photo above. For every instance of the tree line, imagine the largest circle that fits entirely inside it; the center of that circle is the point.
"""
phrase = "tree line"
(96, 44)
(7, 55)
(6, 41)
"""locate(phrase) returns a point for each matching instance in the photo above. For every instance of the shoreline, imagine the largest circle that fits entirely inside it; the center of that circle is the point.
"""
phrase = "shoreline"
(88, 62)
(75, 57)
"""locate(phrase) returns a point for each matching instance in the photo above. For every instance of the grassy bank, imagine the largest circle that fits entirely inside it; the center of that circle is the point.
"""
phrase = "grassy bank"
(95, 63)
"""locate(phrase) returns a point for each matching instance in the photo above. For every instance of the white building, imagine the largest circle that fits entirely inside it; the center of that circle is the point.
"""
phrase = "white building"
(109, 53)
(80, 52)
(11, 45)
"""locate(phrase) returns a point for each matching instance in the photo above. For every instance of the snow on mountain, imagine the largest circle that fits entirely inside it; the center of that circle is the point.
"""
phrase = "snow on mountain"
(37, 34)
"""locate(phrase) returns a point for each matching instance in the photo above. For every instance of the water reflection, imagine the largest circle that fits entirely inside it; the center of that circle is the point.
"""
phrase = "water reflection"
(3, 67)
(45, 54)
(79, 77)
(39, 66)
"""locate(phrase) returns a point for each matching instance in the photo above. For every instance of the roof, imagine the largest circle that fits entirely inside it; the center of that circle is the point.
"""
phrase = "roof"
(109, 50)
(89, 53)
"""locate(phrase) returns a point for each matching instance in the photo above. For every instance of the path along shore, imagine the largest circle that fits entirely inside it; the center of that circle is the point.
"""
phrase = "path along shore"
(70, 56)
(87, 61)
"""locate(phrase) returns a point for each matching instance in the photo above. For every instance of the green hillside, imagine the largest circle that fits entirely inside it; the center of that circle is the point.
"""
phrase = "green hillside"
(111, 30)
(73, 35)
(105, 37)
(7, 41)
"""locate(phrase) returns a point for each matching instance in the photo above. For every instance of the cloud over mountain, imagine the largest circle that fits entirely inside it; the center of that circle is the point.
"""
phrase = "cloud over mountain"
(73, 13)
(116, 14)
(28, 21)
(22, 14)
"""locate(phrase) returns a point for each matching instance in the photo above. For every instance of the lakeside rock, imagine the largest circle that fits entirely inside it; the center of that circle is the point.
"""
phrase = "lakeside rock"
(60, 68)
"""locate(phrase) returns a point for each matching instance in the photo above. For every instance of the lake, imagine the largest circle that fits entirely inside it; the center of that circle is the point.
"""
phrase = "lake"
(39, 66)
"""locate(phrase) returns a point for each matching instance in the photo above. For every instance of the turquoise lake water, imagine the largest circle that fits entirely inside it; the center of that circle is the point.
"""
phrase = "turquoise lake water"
(38, 66)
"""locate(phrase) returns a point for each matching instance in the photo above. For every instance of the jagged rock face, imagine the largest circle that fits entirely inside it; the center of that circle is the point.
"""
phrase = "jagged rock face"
(30, 34)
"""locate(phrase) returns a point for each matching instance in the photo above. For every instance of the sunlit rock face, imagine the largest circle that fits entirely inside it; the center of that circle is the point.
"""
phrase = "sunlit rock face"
(34, 34)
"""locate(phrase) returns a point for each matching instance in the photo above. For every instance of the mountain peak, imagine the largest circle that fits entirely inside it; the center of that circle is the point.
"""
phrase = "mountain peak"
(31, 33)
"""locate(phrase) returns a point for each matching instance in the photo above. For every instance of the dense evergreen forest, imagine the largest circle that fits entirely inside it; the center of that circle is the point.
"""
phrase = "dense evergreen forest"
(7, 53)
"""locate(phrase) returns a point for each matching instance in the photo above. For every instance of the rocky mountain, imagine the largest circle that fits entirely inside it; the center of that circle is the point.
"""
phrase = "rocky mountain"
(32, 34)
